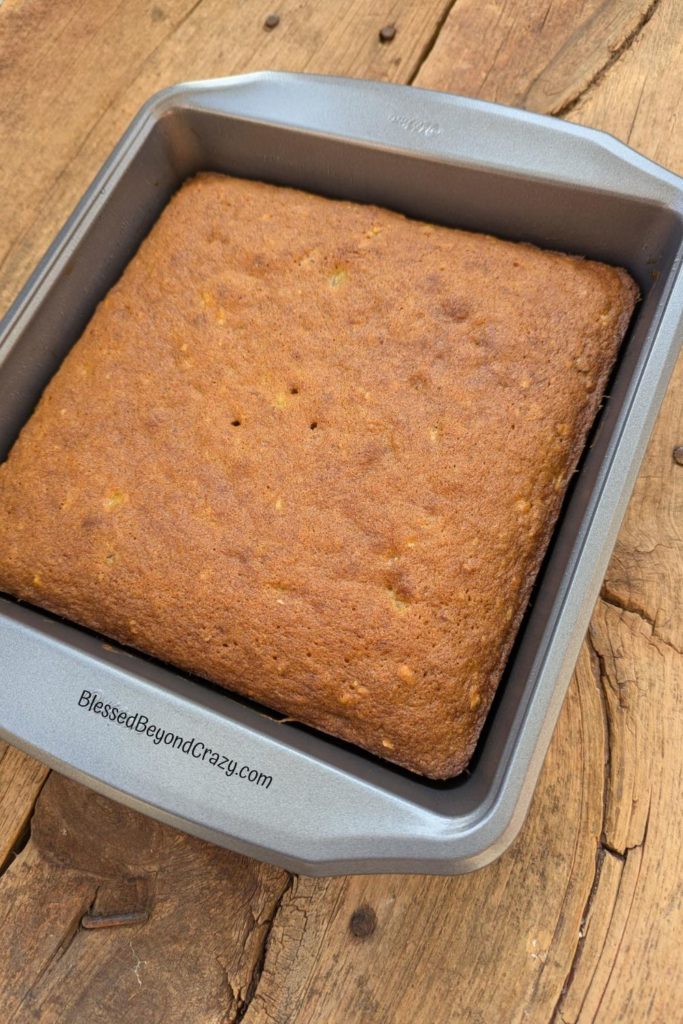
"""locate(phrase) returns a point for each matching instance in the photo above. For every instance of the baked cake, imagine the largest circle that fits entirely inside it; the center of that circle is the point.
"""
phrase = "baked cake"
(313, 451)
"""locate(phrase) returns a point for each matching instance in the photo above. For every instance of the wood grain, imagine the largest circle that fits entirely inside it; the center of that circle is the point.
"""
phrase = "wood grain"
(581, 920)
(541, 56)
(192, 960)
(627, 966)
(21, 779)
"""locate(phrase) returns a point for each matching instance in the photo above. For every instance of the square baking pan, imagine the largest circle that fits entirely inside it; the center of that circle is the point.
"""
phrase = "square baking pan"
(275, 790)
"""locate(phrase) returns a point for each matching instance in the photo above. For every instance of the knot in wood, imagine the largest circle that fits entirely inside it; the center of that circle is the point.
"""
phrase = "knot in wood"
(363, 922)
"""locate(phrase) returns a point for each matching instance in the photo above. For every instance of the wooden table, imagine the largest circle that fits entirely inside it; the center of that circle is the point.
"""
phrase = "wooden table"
(582, 919)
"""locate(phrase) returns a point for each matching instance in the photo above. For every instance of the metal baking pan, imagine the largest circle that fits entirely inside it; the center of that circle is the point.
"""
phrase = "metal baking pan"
(308, 802)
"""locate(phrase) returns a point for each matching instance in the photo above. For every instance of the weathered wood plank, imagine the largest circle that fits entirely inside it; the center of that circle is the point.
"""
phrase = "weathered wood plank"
(640, 99)
(631, 971)
(21, 779)
(628, 966)
(541, 56)
(192, 960)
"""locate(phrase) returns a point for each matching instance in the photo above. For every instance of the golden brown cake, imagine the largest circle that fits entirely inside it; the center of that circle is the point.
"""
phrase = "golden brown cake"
(314, 451)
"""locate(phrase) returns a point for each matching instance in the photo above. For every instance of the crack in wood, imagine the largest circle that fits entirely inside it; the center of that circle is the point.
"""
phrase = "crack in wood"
(556, 1014)
(243, 1002)
(604, 848)
(598, 1015)
(614, 56)
(623, 854)
(431, 42)
(24, 833)
(610, 598)
(599, 674)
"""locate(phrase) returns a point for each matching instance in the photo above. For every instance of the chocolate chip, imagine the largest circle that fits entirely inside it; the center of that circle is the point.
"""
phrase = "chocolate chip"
(678, 454)
(272, 21)
(387, 33)
(363, 922)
